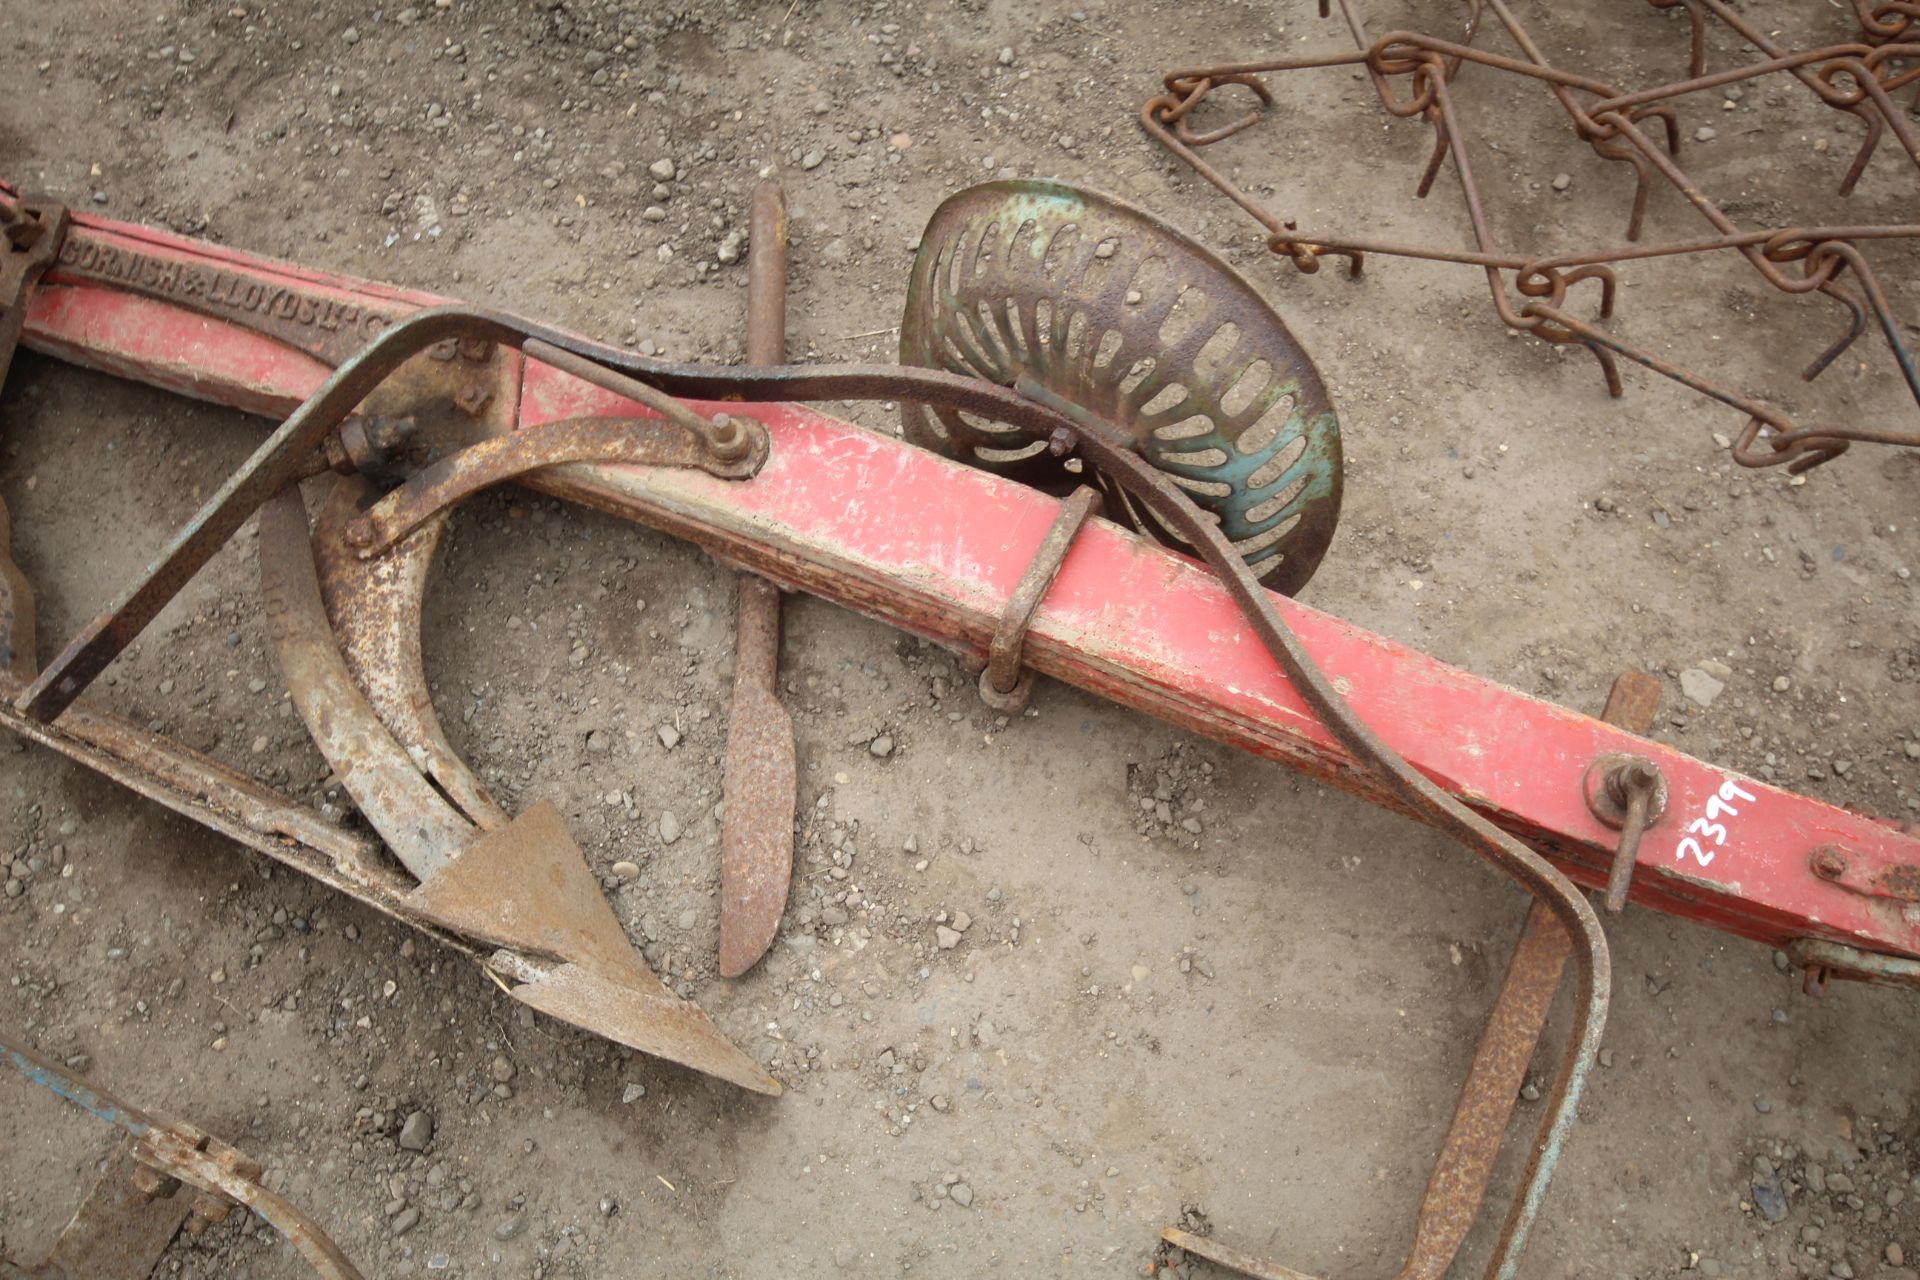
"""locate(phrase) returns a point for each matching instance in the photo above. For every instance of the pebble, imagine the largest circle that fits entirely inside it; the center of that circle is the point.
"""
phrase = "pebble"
(351, 35)
(417, 1132)
(1705, 133)
(406, 1220)
(626, 870)
(1561, 181)
(669, 736)
(812, 160)
(1770, 1199)
(1896, 1256)
(510, 1228)
(961, 1194)
(947, 938)
(662, 170)
(632, 1094)
(669, 826)
(882, 746)
(1781, 684)
(598, 742)
(688, 919)
(501, 1069)
(1699, 687)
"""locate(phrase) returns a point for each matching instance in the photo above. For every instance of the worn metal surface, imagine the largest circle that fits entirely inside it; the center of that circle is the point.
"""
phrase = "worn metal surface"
(759, 789)
(30, 239)
(527, 888)
(424, 831)
(1824, 960)
(374, 610)
(761, 783)
(1115, 311)
(1005, 684)
(1413, 75)
(1146, 631)
(180, 1154)
(521, 884)
(1899, 882)
(31, 234)
(767, 275)
(272, 467)
(118, 1232)
(636, 442)
(283, 458)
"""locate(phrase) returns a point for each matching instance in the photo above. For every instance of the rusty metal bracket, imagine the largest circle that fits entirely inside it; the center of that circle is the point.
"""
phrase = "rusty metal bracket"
(31, 233)
(1897, 883)
(1005, 684)
(640, 442)
(1629, 794)
(30, 238)
(1824, 960)
(134, 1210)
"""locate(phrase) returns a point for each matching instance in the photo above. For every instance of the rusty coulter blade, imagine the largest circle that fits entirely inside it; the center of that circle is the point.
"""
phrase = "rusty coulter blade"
(756, 828)
(756, 837)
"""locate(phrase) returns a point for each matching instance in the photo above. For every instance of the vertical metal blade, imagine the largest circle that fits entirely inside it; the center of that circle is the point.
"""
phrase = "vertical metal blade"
(756, 831)
(756, 828)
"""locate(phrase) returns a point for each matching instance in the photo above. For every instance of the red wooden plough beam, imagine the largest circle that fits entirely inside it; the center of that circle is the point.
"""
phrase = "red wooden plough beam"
(937, 549)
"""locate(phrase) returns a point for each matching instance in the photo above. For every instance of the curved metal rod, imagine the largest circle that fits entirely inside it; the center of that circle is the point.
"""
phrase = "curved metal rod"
(1107, 452)
(199, 1170)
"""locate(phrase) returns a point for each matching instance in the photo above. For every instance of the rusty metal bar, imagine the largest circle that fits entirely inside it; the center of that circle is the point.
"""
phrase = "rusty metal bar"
(1005, 685)
(767, 275)
(761, 781)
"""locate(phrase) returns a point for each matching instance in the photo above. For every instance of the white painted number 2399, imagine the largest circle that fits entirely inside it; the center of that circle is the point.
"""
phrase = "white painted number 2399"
(1717, 807)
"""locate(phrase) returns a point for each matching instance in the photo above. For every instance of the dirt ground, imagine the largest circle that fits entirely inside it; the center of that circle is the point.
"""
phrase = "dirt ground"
(1263, 1020)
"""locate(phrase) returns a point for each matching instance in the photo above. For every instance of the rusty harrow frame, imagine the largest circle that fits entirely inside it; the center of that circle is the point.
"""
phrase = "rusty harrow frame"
(1414, 75)
(414, 403)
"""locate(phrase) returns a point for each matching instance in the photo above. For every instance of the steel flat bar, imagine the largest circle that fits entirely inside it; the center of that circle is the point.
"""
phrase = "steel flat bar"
(898, 534)
(761, 782)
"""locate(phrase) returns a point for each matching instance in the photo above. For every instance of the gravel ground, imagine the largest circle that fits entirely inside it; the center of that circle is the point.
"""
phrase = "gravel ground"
(1175, 980)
